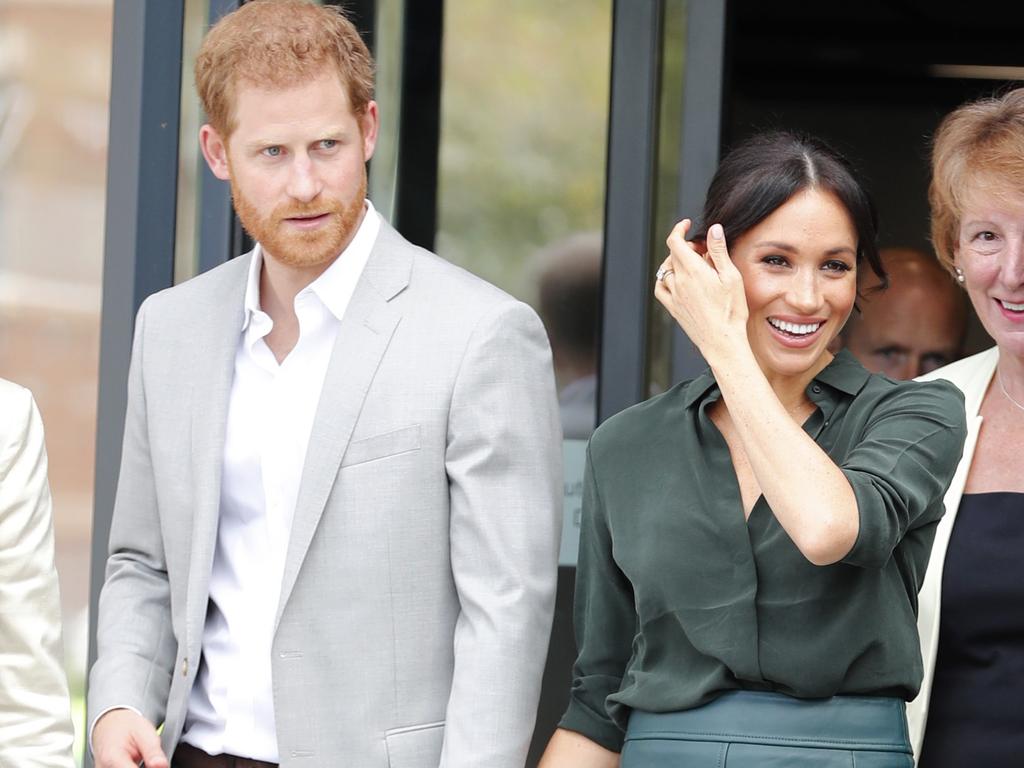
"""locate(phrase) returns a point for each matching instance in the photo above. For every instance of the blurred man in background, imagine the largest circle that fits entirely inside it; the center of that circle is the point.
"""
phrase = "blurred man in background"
(912, 327)
(569, 287)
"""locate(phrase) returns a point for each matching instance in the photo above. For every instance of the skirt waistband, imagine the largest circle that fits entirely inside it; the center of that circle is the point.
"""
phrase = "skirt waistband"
(873, 723)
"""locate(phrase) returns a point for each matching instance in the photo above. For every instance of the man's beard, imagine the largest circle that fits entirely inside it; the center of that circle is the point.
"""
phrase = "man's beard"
(296, 247)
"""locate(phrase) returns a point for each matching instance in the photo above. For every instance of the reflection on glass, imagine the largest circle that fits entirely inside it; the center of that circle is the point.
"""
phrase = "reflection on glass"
(667, 186)
(569, 294)
(524, 118)
(186, 235)
(388, 25)
(54, 94)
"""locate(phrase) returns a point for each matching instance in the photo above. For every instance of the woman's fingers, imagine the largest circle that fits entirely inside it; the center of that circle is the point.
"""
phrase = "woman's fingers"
(679, 230)
(682, 255)
(716, 246)
(664, 271)
(703, 292)
(718, 253)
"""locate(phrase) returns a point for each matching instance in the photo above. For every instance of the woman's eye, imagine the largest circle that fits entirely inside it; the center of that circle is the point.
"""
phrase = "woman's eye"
(775, 261)
(835, 265)
(985, 240)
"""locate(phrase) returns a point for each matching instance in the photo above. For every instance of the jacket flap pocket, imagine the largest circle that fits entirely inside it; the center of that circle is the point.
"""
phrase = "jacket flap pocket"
(382, 446)
(415, 746)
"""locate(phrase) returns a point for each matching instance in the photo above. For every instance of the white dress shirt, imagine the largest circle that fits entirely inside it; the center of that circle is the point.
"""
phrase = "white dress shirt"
(270, 416)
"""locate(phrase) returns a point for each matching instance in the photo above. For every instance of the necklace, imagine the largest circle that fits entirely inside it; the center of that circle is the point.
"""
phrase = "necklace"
(999, 378)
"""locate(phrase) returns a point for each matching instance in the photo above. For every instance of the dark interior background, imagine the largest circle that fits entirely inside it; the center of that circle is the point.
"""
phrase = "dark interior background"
(866, 77)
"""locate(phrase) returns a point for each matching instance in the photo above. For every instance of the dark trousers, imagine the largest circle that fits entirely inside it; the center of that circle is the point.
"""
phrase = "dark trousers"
(187, 756)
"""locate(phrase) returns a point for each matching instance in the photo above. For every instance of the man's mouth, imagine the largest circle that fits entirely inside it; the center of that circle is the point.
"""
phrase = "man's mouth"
(307, 221)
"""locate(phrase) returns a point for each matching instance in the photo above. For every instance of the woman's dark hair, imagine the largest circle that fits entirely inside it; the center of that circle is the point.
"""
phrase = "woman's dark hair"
(762, 173)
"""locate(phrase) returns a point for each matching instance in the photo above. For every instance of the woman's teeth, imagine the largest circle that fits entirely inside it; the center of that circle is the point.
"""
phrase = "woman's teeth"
(1011, 306)
(797, 329)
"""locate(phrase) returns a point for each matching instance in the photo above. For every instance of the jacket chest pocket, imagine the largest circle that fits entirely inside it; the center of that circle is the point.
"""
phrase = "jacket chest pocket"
(415, 746)
(382, 446)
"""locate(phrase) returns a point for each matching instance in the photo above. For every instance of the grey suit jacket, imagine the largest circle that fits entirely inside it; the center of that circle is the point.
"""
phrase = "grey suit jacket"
(420, 573)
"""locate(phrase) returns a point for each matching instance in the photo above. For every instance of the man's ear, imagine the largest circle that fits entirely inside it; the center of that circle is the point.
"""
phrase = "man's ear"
(369, 123)
(215, 150)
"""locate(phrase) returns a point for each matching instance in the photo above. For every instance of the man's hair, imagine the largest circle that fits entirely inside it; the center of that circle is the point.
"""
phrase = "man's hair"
(764, 172)
(569, 287)
(979, 147)
(279, 43)
(925, 270)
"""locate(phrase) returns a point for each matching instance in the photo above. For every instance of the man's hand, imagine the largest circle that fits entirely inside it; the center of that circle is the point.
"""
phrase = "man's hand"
(122, 738)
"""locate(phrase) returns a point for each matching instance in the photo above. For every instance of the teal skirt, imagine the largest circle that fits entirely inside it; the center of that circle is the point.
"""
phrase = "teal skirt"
(747, 729)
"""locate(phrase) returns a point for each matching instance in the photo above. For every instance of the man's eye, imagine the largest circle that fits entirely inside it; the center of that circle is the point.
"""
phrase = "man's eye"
(272, 151)
(933, 362)
(890, 353)
(328, 143)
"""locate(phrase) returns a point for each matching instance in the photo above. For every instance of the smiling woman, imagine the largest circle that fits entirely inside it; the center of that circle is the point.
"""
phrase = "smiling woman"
(753, 540)
(971, 631)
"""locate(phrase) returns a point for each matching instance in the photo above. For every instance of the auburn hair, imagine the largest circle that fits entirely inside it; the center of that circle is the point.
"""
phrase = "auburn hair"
(279, 43)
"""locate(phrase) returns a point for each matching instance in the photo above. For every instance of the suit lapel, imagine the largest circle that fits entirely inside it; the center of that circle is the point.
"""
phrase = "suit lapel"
(363, 338)
(215, 334)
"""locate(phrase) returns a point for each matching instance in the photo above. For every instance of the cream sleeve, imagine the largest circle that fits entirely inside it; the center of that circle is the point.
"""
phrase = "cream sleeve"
(35, 711)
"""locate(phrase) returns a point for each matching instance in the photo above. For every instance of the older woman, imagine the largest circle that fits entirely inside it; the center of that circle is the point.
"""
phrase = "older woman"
(972, 602)
(752, 540)
(35, 713)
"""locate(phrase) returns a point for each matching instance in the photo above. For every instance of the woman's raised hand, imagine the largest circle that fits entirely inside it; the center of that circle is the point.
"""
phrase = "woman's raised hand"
(704, 292)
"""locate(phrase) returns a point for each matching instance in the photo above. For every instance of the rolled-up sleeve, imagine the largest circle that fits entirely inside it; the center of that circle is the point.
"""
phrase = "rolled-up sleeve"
(605, 623)
(904, 464)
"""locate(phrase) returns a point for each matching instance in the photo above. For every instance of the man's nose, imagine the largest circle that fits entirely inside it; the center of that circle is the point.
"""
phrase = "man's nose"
(304, 181)
(910, 369)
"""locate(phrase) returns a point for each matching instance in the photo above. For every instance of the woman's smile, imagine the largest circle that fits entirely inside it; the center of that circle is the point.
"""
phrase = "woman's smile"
(796, 332)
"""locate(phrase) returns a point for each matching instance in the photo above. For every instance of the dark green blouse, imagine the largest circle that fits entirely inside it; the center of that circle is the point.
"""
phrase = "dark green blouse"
(678, 598)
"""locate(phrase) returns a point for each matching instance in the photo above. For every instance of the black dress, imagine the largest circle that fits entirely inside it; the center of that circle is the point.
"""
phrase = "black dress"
(976, 712)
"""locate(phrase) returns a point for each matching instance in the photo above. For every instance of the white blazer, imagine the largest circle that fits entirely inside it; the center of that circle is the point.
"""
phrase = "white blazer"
(972, 375)
(35, 710)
